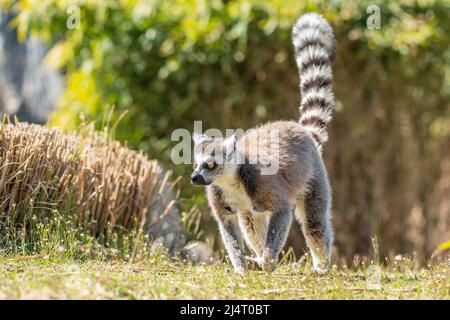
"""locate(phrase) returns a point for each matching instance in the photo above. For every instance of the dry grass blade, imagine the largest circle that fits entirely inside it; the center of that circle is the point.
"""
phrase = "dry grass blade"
(103, 183)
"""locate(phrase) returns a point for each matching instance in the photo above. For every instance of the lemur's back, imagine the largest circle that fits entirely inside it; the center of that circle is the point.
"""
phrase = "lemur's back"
(291, 155)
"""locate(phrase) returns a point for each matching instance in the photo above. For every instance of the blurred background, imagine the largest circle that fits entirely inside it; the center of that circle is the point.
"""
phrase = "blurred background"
(159, 65)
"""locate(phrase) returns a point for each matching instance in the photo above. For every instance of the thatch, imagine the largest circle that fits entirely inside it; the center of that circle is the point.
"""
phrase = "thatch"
(43, 170)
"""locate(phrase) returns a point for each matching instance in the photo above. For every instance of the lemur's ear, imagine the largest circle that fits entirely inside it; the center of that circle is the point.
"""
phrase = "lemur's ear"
(199, 138)
(230, 144)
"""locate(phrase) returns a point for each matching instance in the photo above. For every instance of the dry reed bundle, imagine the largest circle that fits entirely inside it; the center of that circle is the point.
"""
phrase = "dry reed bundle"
(43, 170)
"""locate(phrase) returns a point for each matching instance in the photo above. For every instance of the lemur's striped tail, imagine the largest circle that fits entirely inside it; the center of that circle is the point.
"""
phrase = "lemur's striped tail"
(314, 51)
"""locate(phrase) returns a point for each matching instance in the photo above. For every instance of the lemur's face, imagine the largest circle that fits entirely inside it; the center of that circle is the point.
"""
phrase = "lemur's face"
(210, 158)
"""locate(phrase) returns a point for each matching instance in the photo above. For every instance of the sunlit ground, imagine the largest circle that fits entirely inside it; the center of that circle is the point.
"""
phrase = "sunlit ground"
(36, 277)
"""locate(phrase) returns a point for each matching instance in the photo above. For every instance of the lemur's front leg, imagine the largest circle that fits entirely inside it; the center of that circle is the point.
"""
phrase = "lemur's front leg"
(277, 232)
(229, 229)
(232, 240)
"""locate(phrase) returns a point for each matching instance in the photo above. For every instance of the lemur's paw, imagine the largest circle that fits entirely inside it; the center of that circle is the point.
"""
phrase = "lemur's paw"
(269, 263)
(257, 260)
(321, 269)
(240, 270)
(264, 262)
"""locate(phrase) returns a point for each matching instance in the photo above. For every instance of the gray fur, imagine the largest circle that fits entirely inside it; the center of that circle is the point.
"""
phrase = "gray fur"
(314, 214)
(249, 205)
(232, 238)
(228, 227)
(278, 230)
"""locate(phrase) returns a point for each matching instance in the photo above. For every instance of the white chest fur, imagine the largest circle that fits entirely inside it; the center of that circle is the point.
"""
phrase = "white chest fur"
(234, 194)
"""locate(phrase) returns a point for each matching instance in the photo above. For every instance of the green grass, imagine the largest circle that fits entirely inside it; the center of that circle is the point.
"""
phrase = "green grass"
(159, 277)
(59, 259)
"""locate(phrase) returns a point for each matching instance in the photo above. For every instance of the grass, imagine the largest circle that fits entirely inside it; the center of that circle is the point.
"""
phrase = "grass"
(160, 277)
(59, 259)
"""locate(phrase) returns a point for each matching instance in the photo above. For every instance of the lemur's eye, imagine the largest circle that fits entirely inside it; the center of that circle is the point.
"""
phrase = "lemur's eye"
(211, 165)
(194, 165)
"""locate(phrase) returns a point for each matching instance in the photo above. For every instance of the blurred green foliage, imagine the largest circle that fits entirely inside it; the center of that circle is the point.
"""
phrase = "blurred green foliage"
(230, 63)
(169, 62)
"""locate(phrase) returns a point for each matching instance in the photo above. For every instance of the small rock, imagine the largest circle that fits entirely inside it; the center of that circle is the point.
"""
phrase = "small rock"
(198, 252)
(167, 230)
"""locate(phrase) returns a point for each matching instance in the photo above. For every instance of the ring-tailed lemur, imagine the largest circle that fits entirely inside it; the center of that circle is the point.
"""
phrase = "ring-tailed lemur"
(258, 208)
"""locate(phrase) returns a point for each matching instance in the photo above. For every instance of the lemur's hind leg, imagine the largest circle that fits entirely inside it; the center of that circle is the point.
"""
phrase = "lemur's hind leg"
(313, 212)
